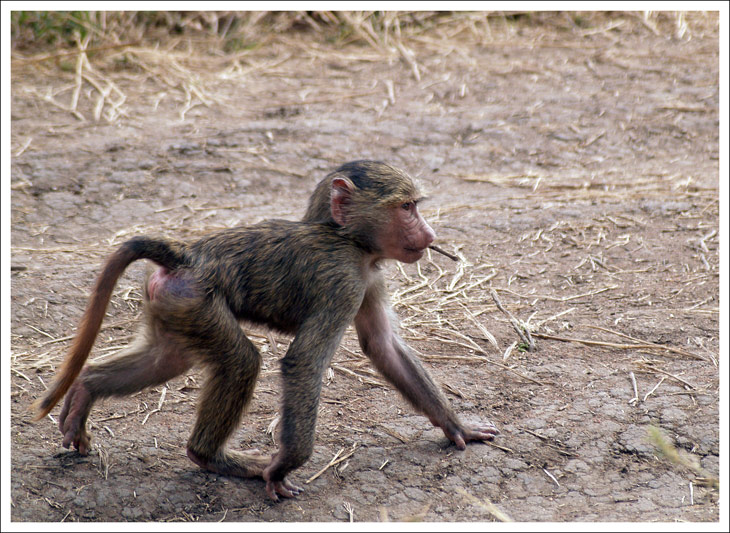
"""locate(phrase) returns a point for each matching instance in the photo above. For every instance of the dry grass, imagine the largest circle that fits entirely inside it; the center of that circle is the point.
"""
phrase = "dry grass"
(232, 31)
(189, 52)
(681, 458)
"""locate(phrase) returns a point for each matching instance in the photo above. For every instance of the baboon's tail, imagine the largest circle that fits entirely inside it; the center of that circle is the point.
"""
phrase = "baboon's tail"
(169, 254)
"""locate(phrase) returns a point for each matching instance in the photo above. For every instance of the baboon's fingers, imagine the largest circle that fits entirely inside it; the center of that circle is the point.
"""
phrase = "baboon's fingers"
(82, 442)
(72, 420)
(460, 436)
(284, 488)
(80, 439)
(488, 428)
(486, 431)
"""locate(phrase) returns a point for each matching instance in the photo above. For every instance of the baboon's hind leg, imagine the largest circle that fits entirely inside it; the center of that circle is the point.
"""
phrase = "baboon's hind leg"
(150, 360)
(233, 366)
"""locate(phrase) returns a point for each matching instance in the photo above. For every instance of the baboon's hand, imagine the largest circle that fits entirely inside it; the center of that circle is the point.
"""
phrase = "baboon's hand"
(461, 434)
(276, 483)
(284, 488)
(72, 421)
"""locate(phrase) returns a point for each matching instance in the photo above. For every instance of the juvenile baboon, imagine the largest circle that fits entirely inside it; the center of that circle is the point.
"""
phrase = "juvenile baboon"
(311, 278)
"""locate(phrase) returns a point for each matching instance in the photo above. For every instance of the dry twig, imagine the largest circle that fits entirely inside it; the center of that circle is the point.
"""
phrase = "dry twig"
(522, 330)
(619, 346)
(444, 252)
(334, 461)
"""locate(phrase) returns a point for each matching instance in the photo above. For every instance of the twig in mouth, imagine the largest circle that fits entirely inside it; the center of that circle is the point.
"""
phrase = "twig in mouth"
(444, 252)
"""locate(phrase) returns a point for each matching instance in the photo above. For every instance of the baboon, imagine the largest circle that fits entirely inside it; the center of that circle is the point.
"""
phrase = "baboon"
(310, 278)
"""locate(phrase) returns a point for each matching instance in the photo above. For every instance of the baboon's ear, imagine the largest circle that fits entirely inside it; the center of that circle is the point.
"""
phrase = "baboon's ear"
(340, 198)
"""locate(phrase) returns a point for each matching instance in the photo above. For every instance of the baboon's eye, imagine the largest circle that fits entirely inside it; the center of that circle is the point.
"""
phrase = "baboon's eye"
(408, 206)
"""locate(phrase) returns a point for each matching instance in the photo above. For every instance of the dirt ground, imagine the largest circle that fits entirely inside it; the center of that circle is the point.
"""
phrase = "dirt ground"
(573, 169)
